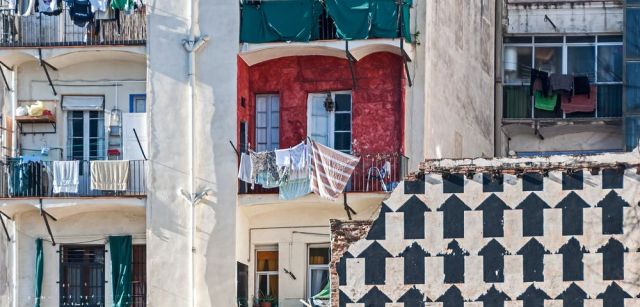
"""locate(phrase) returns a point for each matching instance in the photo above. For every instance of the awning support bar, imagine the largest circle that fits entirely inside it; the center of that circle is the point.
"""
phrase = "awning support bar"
(44, 215)
(44, 65)
(4, 78)
(351, 59)
(4, 226)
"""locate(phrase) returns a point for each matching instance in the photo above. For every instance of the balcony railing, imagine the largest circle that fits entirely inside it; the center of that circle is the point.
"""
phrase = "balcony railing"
(370, 175)
(35, 180)
(39, 30)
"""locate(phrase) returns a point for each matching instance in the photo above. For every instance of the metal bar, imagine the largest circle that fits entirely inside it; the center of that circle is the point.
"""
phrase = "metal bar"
(139, 144)
(351, 59)
(46, 71)
(44, 215)
(4, 226)
(404, 61)
(4, 78)
(6, 66)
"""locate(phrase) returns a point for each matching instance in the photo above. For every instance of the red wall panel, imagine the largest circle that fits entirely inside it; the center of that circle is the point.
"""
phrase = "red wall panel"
(378, 100)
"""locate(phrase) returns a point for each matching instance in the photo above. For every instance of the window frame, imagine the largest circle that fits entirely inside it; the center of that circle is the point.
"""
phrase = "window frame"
(256, 287)
(86, 135)
(311, 267)
(270, 143)
(132, 103)
(331, 131)
(84, 269)
(565, 47)
(139, 265)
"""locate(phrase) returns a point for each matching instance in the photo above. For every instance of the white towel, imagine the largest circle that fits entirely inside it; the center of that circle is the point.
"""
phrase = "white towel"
(244, 172)
(66, 176)
(109, 175)
(294, 162)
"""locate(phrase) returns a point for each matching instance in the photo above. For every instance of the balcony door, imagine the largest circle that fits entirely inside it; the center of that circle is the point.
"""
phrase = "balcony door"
(85, 135)
(330, 126)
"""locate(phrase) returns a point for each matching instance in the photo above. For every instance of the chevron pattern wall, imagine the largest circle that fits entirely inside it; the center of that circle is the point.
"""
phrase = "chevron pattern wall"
(568, 239)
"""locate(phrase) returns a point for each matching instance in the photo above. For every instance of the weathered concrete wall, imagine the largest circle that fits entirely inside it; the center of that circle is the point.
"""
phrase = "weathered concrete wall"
(169, 224)
(459, 57)
(569, 237)
(568, 17)
(90, 228)
(376, 102)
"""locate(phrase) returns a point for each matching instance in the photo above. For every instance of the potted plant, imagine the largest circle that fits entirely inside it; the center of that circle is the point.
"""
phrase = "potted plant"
(267, 300)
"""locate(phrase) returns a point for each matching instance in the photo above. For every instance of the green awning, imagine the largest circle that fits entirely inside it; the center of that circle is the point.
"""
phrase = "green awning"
(39, 272)
(362, 19)
(121, 250)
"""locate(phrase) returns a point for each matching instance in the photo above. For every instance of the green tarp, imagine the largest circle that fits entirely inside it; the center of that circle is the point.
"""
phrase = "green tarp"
(120, 248)
(283, 20)
(39, 272)
(298, 20)
(362, 19)
(324, 294)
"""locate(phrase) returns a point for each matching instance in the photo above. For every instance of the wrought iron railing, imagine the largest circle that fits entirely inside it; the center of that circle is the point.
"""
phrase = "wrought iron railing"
(35, 179)
(40, 30)
(370, 175)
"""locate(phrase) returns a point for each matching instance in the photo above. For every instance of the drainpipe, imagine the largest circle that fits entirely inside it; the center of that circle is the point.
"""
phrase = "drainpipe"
(497, 85)
(14, 262)
(14, 106)
(192, 45)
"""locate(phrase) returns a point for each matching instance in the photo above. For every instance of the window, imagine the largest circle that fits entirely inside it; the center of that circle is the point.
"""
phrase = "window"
(85, 135)
(598, 57)
(330, 128)
(82, 275)
(138, 103)
(267, 122)
(266, 274)
(139, 278)
(318, 272)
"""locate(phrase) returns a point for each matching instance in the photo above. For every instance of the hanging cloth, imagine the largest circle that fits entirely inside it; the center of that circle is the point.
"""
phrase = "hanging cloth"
(25, 7)
(331, 170)
(124, 5)
(294, 171)
(81, 13)
(121, 248)
(560, 82)
(109, 175)
(244, 171)
(580, 103)
(545, 103)
(39, 273)
(47, 6)
(99, 5)
(265, 170)
(582, 85)
(66, 178)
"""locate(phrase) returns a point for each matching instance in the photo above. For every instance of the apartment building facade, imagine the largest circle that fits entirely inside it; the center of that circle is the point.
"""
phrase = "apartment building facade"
(173, 92)
(591, 39)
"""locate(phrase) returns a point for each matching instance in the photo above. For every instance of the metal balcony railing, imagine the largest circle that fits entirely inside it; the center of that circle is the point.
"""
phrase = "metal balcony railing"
(370, 175)
(39, 30)
(35, 180)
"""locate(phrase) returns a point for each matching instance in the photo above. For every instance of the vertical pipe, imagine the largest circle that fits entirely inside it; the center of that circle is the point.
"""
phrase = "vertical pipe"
(14, 262)
(14, 105)
(497, 88)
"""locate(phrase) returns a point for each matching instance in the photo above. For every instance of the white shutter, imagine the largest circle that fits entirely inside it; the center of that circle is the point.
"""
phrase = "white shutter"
(318, 120)
(131, 149)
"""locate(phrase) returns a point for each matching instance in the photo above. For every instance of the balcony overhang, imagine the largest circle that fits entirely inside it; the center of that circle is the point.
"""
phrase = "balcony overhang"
(257, 53)
(63, 57)
(62, 208)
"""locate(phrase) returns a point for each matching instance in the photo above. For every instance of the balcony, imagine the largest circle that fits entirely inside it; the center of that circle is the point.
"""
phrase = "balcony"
(40, 30)
(368, 176)
(34, 180)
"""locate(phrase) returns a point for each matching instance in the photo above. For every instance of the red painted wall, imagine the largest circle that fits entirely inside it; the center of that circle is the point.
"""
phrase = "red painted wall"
(378, 101)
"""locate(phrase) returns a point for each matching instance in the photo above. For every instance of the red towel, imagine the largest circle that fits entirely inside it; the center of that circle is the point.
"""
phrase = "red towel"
(580, 103)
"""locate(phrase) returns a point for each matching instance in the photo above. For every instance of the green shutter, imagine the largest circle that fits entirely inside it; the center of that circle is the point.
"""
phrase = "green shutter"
(39, 272)
(121, 251)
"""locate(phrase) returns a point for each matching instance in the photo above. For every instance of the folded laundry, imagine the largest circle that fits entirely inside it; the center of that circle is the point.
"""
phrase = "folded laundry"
(66, 176)
(109, 175)
(580, 103)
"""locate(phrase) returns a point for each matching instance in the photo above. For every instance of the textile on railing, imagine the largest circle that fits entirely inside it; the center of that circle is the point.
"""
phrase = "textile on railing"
(66, 177)
(39, 273)
(331, 170)
(283, 20)
(109, 175)
(294, 171)
(121, 248)
(362, 19)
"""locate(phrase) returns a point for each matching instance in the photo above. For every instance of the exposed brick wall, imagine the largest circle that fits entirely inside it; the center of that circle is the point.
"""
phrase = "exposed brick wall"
(343, 234)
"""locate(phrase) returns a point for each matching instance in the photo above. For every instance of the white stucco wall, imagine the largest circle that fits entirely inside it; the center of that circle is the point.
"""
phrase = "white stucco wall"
(459, 59)
(70, 229)
(114, 79)
(568, 16)
(292, 226)
(168, 218)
